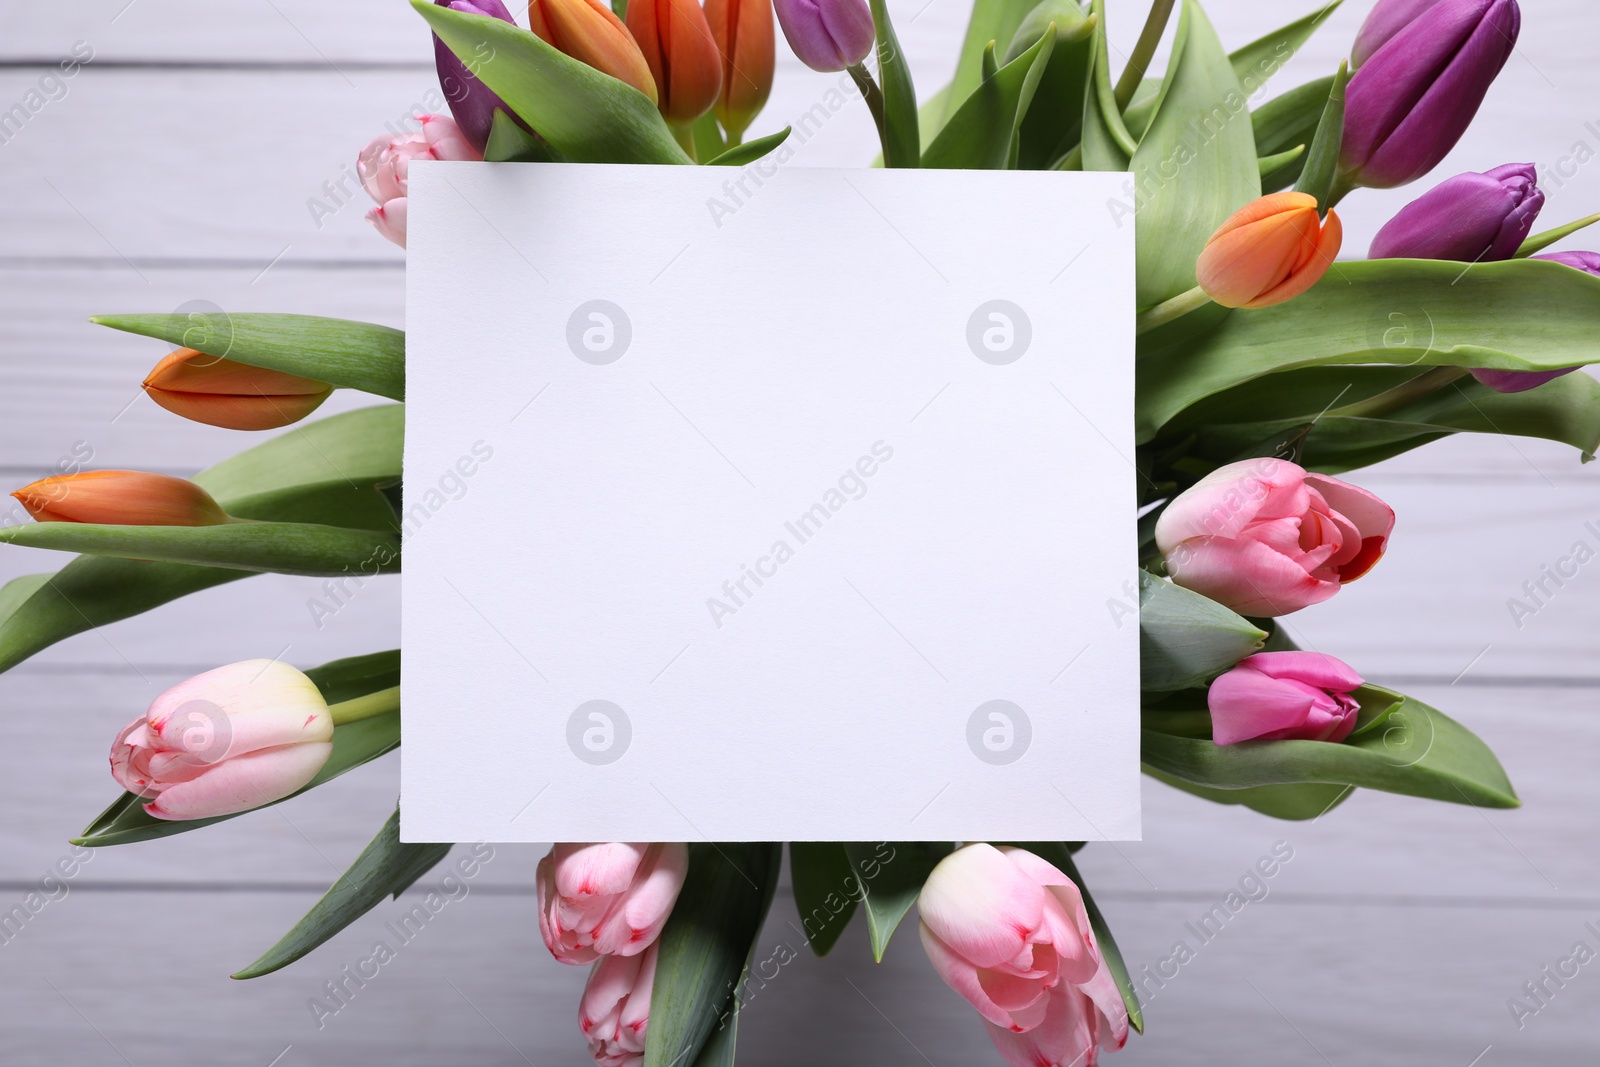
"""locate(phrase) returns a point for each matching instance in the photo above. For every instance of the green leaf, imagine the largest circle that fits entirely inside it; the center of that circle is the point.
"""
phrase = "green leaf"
(1522, 314)
(750, 151)
(890, 885)
(384, 868)
(1196, 164)
(903, 142)
(1417, 751)
(1185, 639)
(259, 547)
(1054, 122)
(1286, 121)
(510, 143)
(982, 134)
(587, 116)
(125, 821)
(326, 471)
(1540, 241)
(1269, 165)
(930, 118)
(353, 355)
(707, 945)
(1322, 161)
(1258, 61)
(826, 891)
(1107, 145)
(993, 23)
(356, 676)
(1293, 802)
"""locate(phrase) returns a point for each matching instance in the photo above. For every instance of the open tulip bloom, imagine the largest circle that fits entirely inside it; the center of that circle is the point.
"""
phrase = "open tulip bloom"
(1269, 370)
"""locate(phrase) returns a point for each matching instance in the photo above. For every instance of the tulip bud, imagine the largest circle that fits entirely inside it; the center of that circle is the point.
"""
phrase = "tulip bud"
(1470, 218)
(386, 161)
(682, 54)
(1010, 933)
(1385, 20)
(615, 1011)
(587, 31)
(471, 102)
(827, 35)
(1412, 100)
(1271, 250)
(608, 898)
(1265, 538)
(1518, 381)
(743, 31)
(121, 498)
(225, 741)
(1277, 696)
(235, 396)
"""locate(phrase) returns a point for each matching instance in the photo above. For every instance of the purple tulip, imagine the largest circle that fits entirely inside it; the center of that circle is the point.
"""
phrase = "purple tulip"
(1517, 381)
(1412, 100)
(1470, 218)
(1383, 22)
(827, 34)
(471, 102)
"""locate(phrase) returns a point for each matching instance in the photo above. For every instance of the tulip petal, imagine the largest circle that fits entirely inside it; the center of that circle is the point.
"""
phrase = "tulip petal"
(1314, 668)
(1373, 520)
(1312, 266)
(1246, 576)
(962, 976)
(981, 905)
(240, 784)
(1232, 497)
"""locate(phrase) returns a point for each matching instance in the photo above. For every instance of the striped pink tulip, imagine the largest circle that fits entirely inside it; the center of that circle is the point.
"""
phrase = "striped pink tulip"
(607, 898)
(615, 1010)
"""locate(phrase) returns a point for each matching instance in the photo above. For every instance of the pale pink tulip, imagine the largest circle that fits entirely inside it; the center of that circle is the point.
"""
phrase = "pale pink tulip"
(1265, 538)
(1277, 696)
(225, 741)
(386, 162)
(608, 898)
(1009, 932)
(615, 1010)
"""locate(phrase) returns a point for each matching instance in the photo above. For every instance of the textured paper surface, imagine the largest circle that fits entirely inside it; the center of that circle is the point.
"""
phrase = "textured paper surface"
(776, 504)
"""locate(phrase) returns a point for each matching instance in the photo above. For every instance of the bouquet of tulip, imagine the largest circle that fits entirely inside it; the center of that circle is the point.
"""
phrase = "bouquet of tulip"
(1265, 370)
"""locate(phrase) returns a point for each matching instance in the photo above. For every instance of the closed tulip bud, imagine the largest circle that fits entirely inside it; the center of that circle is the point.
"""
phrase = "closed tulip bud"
(1278, 696)
(744, 35)
(827, 35)
(608, 898)
(121, 498)
(235, 396)
(385, 164)
(1471, 218)
(1010, 933)
(682, 54)
(1518, 381)
(615, 1010)
(472, 103)
(587, 31)
(225, 741)
(1412, 100)
(1385, 20)
(1270, 251)
(1265, 538)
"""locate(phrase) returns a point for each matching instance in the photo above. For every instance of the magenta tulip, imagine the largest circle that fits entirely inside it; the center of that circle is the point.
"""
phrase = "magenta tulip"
(386, 162)
(1412, 100)
(615, 1011)
(827, 34)
(225, 741)
(1518, 381)
(1470, 218)
(1278, 696)
(1009, 932)
(1385, 20)
(608, 898)
(1265, 538)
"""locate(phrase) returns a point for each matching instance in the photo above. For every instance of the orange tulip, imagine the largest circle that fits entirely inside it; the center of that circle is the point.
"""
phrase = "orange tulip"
(743, 31)
(235, 396)
(1271, 250)
(121, 498)
(587, 31)
(683, 56)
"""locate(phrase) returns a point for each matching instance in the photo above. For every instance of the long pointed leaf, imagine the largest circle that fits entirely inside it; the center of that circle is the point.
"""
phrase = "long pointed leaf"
(255, 547)
(890, 886)
(826, 891)
(982, 134)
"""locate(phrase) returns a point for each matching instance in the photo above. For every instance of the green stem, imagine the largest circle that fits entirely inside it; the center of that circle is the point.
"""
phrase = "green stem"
(1155, 24)
(1403, 395)
(874, 98)
(383, 702)
(683, 133)
(1175, 308)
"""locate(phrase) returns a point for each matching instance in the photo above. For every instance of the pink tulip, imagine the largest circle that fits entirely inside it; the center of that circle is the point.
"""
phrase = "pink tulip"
(609, 898)
(386, 161)
(615, 1010)
(225, 741)
(1265, 538)
(1009, 932)
(1278, 696)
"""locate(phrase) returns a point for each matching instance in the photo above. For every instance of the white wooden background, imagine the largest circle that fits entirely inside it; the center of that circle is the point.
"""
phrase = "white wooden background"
(178, 165)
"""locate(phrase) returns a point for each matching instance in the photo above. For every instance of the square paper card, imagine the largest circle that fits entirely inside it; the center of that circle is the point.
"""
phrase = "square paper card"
(773, 504)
